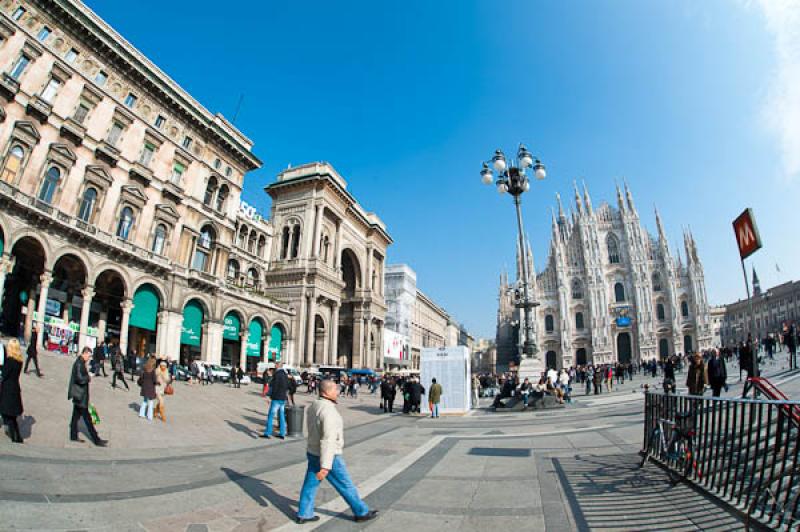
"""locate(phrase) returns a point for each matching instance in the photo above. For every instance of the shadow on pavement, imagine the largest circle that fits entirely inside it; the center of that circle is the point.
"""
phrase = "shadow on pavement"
(243, 429)
(261, 493)
(26, 426)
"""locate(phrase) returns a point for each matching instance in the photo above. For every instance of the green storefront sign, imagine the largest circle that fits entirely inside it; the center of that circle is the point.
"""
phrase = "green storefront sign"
(275, 341)
(254, 334)
(192, 329)
(145, 308)
(73, 326)
(231, 327)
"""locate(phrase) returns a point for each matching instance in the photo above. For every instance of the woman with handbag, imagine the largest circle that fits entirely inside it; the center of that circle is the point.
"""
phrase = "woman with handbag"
(147, 381)
(163, 387)
(10, 392)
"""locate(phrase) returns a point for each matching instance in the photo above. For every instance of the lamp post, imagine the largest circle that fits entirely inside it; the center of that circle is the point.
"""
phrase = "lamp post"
(513, 179)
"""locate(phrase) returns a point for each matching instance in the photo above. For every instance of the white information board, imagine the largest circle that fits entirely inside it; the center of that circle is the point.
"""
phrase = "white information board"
(450, 367)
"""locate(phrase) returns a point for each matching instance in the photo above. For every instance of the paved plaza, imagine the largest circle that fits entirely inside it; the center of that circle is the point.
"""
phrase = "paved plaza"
(574, 468)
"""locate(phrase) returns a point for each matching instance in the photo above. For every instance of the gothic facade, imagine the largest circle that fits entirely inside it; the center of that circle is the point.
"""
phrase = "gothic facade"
(610, 291)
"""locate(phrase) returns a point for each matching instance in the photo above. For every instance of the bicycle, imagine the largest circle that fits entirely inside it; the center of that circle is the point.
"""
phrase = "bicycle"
(678, 448)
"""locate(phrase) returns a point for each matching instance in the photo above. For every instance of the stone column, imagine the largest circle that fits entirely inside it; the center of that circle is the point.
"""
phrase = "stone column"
(127, 306)
(358, 340)
(317, 229)
(333, 351)
(4, 269)
(243, 337)
(379, 341)
(368, 276)
(310, 335)
(102, 323)
(162, 345)
(87, 294)
(44, 286)
(28, 320)
(337, 245)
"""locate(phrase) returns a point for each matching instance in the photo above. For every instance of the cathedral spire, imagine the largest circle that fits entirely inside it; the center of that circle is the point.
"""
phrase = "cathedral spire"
(587, 199)
(620, 202)
(531, 267)
(756, 284)
(560, 207)
(629, 198)
(658, 224)
(578, 202)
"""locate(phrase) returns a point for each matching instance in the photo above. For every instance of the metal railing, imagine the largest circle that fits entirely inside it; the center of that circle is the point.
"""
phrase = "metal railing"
(747, 452)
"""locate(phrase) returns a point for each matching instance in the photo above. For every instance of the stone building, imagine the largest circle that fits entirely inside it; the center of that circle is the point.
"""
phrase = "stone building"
(610, 291)
(772, 309)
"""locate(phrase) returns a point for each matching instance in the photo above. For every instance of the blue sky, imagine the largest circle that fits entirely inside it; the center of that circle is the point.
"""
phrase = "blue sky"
(694, 103)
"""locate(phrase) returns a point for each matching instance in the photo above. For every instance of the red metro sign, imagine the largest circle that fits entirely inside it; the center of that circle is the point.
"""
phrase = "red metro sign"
(747, 237)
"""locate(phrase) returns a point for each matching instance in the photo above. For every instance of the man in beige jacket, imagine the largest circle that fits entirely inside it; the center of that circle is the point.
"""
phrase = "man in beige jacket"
(325, 444)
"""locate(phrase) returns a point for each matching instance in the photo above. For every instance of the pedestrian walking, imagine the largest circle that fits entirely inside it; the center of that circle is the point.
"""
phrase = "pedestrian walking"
(10, 391)
(33, 352)
(147, 383)
(233, 377)
(324, 456)
(118, 367)
(598, 381)
(278, 394)
(717, 373)
(388, 391)
(790, 341)
(292, 389)
(697, 376)
(163, 382)
(79, 394)
(434, 397)
(747, 356)
(476, 391)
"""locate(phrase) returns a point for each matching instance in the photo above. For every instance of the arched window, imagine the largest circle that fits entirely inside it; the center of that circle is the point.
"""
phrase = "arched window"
(252, 277)
(251, 243)
(233, 270)
(87, 205)
(13, 163)
(548, 323)
(262, 244)
(211, 189)
(159, 239)
(326, 244)
(684, 309)
(619, 293)
(125, 223)
(295, 241)
(49, 185)
(579, 320)
(577, 289)
(613, 249)
(222, 197)
(656, 282)
(202, 251)
(660, 314)
(285, 243)
(243, 237)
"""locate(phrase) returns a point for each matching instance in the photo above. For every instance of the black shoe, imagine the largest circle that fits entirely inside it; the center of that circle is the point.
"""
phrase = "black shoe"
(281, 437)
(372, 514)
(76, 439)
(302, 521)
(101, 442)
(265, 436)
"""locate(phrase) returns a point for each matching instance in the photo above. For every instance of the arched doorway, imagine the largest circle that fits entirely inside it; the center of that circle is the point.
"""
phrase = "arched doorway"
(551, 359)
(64, 305)
(624, 348)
(319, 340)
(663, 349)
(143, 321)
(106, 311)
(255, 345)
(688, 344)
(21, 291)
(277, 334)
(231, 339)
(349, 347)
(580, 357)
(192, 331)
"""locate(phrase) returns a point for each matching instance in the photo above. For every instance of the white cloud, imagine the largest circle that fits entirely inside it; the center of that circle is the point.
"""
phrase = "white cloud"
(782, 106)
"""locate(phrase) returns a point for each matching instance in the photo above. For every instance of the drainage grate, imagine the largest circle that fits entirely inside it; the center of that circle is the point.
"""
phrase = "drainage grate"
(500, 452)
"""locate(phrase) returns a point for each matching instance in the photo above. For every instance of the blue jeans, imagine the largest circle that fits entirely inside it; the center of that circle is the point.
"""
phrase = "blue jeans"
(435, 410)
(273, 407)
(147, 406)
(339, 478)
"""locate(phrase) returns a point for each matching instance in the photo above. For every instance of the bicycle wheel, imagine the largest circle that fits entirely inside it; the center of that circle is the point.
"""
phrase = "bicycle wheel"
(652, 441)
(683, 461)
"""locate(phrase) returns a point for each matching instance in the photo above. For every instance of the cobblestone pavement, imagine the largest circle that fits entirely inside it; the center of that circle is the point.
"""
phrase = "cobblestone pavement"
(205, 469)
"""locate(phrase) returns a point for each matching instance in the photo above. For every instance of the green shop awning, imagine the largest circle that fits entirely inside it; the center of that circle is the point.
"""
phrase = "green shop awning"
(255, 332)
(192, 330)
(275, 341)
(231, 327)
(145, 308)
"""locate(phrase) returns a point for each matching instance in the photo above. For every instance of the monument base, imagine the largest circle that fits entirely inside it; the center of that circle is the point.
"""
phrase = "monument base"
(532, 368)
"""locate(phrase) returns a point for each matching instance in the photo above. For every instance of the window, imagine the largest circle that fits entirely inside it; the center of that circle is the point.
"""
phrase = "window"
(130, 100)
(159, 239)
(228, 171)
(295, 241)
(87, 205)
(613, 249)
(13, 164)
(49, 185)
(262, 243)
(18, 13)
(44, 33)
(251, 242)
(684, 309)
(19, 66)
(125, 223)
(251, 277)
(177, 173)
(211, 189)
(187, 142)
(243, 237)
(285, 243)
(656, 282)
(217, 164)
(82, 112)
(619, 293)
(233, 269)
(71, 55)
(579, 320)
(203, 249)
(577, 289)
(221, 198)
(147, 154)
(115, 133)
(548, 323)
(160, 121)
(660, 314)
(101, 78)
(50, 90)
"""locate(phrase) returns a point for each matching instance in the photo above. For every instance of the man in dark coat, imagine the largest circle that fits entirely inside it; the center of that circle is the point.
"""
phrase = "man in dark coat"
(416, 390)
(33, 351)
(790, 341)
(747, 359)
(387, 394)
(78, 392)
(278, 394)
(717, 373)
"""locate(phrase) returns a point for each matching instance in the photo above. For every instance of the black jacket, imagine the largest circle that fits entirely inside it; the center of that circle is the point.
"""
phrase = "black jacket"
(387, 390)
(416, 390)
(33, 344)
(10, 393)
(717, 372)
(279, 387)
(79, 384)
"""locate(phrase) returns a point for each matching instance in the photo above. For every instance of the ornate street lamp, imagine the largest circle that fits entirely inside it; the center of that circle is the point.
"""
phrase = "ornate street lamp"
(513, 179)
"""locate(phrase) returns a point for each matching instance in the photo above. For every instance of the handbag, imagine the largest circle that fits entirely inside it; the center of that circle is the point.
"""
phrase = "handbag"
(168, 390)
(94, 415)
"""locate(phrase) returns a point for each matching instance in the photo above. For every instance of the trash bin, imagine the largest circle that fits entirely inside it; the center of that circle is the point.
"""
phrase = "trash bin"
(294, 420)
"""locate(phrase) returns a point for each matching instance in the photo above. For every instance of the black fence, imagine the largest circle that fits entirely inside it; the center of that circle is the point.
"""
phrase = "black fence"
(744, 451)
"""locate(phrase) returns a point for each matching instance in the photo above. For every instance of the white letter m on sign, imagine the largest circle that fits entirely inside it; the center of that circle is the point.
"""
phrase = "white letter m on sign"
(746, 236)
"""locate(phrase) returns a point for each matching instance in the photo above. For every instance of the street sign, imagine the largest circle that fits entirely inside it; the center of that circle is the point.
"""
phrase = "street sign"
(747, 237)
